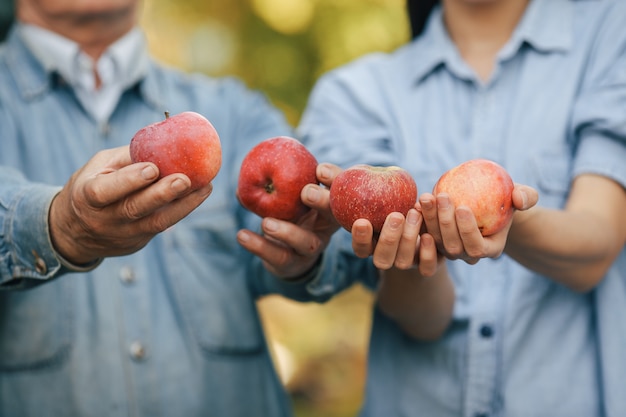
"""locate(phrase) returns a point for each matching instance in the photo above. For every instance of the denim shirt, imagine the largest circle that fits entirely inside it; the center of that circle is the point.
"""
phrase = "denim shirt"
(520, 345)
(171, 330)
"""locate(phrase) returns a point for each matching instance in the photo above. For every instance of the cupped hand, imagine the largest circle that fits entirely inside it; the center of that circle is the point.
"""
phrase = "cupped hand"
(111, 207)
(398, 245)
(455, 231)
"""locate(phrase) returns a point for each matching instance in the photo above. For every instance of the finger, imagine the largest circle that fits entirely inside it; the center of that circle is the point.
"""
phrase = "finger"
(428, 259)
(524, 197)
(159, 217)
(362, 238)
(327, 172)
(316, 197)
(388, 241)
(472, 240)
(108, 187)
(428, 208)
(447, 225)
(406, 256)
(267, 250)
(302, 241)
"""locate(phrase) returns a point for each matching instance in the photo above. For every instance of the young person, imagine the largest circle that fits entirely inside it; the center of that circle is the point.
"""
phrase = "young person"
(530, 321)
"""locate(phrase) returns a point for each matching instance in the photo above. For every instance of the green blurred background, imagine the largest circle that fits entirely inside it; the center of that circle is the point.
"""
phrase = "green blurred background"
(281, 47)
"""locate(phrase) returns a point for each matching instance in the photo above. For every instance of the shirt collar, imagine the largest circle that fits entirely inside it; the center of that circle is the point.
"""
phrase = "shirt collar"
(541, 30)
(124, 62)
(538, 28)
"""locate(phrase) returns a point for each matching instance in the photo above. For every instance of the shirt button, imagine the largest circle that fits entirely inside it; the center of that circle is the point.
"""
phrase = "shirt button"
(486, 331)
(40, 265)
(137, 351)
(127, 275)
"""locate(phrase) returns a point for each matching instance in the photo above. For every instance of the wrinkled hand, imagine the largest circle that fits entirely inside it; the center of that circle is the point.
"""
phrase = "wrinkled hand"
(455, 231)
(289, 250)
(111, 207)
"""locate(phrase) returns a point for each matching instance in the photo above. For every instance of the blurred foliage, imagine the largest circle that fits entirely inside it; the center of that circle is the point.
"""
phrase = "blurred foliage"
(281, 47)
(278, 46)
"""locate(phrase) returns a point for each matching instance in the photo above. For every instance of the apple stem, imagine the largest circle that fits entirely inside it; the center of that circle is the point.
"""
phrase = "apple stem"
(167, 115)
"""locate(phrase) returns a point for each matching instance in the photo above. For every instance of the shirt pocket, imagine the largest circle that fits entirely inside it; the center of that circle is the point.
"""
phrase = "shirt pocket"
(553, 175)
(208, 270)
(36, 326)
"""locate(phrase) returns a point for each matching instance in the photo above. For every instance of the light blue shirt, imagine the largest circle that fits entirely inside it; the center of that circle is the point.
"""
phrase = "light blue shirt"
(120, 66)
(172, 330)
(520, 345)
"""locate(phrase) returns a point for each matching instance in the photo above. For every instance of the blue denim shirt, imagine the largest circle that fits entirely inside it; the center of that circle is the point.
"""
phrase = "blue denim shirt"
(520, 345)
(172, 330)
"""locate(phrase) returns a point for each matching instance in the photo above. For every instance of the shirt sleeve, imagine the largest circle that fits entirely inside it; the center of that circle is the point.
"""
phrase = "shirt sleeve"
(346, 124)
(599, 116)
(26, 254)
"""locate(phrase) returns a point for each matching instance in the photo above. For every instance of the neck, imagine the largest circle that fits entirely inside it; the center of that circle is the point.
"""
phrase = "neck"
(94, 33)
(480, 29)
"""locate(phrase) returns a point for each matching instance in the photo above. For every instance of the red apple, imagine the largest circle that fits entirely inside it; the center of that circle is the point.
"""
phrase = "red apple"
(483, 186)
(372, 193)
(272, 176)
(185, 143)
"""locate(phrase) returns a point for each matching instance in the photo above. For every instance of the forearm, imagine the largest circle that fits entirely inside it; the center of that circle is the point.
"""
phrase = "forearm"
(422, 306)
(574, 246)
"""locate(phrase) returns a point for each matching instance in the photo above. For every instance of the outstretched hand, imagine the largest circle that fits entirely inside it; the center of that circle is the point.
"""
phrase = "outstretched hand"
(289, 250)
(111, 207)
(455, 231)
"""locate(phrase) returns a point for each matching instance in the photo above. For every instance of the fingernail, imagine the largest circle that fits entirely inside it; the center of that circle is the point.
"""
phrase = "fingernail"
(524, 199)
(443, 202)
(149, 173)
(395, 223)
(412, 217)
(179, 185)
(312, 194)
(324, 172)
(465, 213)
(360, 231)
(270, 225)
(426, 204)
(243, 236)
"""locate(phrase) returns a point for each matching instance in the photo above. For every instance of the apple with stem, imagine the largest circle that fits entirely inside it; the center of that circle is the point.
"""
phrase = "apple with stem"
(272, 176)
(185, 143)
(371, 192)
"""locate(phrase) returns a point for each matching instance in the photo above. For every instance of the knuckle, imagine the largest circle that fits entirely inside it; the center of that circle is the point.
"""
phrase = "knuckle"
(454, 249)
(132, 212)
(91, 192)
(386, 240)
(475, 252)
(158, 224)
(403, 264)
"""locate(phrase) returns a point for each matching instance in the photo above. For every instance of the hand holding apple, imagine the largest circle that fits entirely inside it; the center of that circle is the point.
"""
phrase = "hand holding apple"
(186, 143)
(370, 192)
(485, 187)
(273, 174)
(290, 249)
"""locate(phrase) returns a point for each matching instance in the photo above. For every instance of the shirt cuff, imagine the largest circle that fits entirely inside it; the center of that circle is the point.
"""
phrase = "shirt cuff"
(27, 239)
